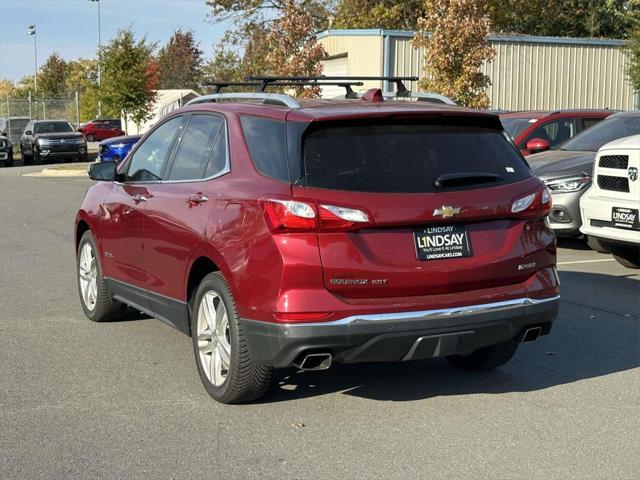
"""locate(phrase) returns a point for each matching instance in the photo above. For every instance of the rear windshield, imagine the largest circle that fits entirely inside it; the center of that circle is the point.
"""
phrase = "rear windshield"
(408, 158)
(515, 126)
(52, 127)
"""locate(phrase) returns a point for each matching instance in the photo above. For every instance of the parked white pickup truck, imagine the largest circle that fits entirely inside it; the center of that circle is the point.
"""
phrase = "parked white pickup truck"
(611, 206)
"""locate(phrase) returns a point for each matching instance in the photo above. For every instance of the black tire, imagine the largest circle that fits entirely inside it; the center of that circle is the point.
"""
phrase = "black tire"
(89, 138)
(486, 358)
(35, 157)
(627, 255)
(9, 161)
(245, 380)
(597, 245)
(27, 159)
(105, 308)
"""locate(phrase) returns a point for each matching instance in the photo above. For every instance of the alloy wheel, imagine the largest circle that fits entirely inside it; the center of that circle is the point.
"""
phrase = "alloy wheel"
(214, 345)
(88, 273)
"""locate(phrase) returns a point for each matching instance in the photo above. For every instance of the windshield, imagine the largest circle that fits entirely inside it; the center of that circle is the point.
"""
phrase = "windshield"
(604, 132)
(515, 126)
(52, 127)
(408, 158)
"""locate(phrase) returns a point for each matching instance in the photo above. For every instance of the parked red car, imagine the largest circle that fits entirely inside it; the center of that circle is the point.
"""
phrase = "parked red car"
(537, 131)
(98, 131)
(308, 232)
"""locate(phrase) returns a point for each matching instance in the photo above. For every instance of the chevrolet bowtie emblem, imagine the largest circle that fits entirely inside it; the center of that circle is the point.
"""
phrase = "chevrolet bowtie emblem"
(446, 212)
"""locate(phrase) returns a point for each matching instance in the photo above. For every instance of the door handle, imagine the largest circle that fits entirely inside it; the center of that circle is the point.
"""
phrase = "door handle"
(138, 197)
(198, 198)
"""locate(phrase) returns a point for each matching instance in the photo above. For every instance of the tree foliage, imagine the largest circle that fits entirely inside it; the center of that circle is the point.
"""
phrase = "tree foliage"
(454, 36)
(633, 53)
(387, 14)
(52, 77)
(180, 62)
(129, 76)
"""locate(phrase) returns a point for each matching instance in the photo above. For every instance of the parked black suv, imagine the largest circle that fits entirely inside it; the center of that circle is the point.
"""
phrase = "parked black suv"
(6, 152)
(49, 139)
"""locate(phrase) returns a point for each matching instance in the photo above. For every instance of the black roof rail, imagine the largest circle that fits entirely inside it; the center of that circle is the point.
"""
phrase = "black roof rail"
(261, 83)
(399, 81)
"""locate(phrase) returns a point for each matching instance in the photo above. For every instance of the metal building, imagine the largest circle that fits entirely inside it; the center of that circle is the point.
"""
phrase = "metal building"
(527, 72)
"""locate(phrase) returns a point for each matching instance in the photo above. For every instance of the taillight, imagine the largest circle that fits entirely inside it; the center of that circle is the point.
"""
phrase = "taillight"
(285, 215)
(533, 205)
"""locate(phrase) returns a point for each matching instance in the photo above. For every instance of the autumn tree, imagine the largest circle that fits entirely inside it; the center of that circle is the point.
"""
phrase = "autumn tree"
(454, 34)
(52, 77)
(180, 62)
(129, 76)
(387, 14)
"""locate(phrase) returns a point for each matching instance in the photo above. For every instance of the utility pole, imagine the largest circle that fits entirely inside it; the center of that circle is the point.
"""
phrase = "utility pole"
(31, 30)
(99, 60)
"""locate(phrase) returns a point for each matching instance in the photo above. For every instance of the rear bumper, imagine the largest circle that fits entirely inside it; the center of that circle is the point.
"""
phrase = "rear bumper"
(400, 336)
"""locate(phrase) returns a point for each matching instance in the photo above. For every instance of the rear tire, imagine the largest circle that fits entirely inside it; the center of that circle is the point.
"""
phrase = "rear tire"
(227, 371)
(95, 297)
(486, 358)
(627, 255)
(597, 245)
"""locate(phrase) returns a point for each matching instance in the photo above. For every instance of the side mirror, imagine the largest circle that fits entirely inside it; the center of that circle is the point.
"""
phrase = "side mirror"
(103, 171)
(28, 132)
(536, 145)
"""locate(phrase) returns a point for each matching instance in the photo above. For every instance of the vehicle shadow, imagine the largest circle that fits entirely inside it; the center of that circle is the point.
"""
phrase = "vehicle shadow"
(572, 243)
(585, 342)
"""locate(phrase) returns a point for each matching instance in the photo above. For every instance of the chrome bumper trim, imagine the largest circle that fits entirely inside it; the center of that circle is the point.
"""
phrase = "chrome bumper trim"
(420, 315)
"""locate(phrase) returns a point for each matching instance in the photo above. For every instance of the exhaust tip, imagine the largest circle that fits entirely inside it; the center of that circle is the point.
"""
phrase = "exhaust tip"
(531, 334)
(315, 361)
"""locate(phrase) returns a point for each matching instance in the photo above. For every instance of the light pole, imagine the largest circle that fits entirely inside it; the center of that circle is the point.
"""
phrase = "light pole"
(99, 60)
(31, 30)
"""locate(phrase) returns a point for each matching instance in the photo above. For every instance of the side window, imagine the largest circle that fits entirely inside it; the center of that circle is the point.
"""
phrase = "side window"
(197, 149)
(148, 160)
(266, 141)
(555, 132)
(590, 122)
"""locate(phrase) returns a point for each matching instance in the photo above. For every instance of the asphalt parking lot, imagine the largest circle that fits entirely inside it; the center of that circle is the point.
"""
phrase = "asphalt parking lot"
(123, 400)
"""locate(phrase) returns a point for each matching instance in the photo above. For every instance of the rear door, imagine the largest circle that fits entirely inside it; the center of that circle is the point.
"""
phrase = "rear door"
(422, 239)
(179, 209)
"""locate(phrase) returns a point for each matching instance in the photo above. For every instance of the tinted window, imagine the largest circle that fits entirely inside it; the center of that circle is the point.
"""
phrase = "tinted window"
(265, 139)
(218, 160)
(406, 158)
(555, 132)
(590, 122)
(196, 148)
(604, 132)
(515, 126)
(148, 160)
(52, 127)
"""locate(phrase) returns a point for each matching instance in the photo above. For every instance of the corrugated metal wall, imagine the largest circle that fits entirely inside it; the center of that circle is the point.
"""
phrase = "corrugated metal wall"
(527, 73)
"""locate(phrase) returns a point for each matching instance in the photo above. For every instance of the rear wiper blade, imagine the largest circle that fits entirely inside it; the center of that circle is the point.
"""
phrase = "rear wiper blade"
(465, 178)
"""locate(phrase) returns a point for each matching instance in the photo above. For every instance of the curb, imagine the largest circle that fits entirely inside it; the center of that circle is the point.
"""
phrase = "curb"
(57, 172)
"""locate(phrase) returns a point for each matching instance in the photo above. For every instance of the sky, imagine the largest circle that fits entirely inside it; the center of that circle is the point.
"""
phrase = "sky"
(70, 27)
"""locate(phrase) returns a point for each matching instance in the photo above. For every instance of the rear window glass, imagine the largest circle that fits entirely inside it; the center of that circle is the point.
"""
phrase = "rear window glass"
(408, 158)
(266, 141)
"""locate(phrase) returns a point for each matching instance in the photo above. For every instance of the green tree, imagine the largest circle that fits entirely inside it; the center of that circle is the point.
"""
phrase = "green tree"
(52, 77)
(387, 14)
(129, 76)
(633, 53)
(454, 36)
(180, 62)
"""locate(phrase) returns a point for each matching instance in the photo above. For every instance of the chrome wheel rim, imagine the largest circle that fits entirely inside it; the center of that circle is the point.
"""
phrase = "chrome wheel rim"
(214, 345)
(88, 275)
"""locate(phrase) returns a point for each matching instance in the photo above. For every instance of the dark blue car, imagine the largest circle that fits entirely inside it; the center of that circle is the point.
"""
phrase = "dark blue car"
(116, 148)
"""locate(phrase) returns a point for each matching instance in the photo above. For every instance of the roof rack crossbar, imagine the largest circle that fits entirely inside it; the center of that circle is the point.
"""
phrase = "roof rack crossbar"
(399, 81)
(218, 86)
(268, 98)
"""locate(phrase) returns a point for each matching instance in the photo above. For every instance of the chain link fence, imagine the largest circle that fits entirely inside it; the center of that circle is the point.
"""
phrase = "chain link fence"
(16, 112)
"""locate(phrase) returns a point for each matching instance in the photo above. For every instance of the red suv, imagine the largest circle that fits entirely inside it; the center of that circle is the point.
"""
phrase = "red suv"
(537, 131)
(279, 232)
(98, 131)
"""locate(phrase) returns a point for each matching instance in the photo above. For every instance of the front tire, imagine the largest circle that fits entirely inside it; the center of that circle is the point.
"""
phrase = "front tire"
(95, 298)
(627, 255)
(224, 364)
(597, 245)
(486, 358)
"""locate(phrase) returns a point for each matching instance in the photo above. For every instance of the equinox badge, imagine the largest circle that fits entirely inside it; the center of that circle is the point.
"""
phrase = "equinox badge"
(447, 211)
